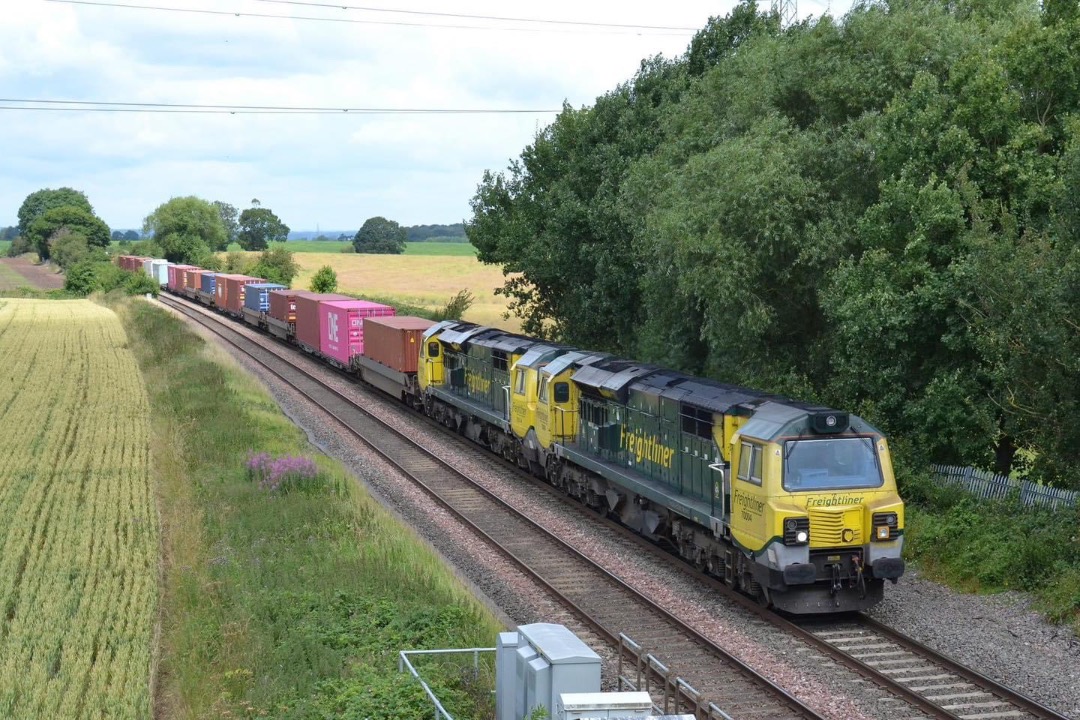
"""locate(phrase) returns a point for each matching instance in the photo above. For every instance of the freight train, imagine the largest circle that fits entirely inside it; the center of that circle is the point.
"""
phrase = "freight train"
(790, 502)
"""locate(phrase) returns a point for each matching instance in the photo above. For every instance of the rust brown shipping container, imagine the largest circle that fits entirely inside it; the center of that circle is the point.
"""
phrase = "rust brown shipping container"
(283, 304)
(395, 341)
(182, 283)
(307, 317)
(193, 279)
(234, 290)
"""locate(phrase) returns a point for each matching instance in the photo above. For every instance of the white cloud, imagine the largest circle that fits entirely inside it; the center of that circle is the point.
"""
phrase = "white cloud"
(331, 170)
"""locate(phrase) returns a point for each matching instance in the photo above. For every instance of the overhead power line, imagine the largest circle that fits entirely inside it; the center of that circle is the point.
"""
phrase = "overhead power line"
(357, 21)
(581, 23)
(159, 107)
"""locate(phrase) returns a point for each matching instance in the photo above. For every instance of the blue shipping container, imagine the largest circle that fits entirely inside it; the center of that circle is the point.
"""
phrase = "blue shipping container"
(257, 296)
(208, 282)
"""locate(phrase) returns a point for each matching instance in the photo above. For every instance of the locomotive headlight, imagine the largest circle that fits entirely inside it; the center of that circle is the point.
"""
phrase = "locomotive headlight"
(886, 525)
(796, 531)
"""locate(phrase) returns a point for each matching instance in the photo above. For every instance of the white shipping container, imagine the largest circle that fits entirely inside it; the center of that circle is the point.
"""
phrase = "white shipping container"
(159, 270)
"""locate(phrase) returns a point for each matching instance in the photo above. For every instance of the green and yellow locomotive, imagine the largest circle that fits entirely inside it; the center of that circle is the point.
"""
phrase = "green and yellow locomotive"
(792, 503)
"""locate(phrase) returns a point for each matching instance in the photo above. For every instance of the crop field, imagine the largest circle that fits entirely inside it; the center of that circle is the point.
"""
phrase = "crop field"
(425, 281)
(79, 537)
(463, 249)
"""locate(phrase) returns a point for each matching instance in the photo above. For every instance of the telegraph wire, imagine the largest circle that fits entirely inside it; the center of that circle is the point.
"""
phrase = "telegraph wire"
(583, 23)
(161, 107)
(356, 21)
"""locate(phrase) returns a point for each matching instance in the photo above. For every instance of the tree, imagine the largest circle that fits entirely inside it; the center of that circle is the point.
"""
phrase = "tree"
(259, 227)
(38, 203)
(379, 235)
(324, 280)
(74, 219)
(186, 228)
(9, 233)
(131, 236)
(228, 220)
(277, 265)
(117, 236)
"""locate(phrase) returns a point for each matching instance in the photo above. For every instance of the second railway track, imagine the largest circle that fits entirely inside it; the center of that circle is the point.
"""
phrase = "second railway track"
(596, 596)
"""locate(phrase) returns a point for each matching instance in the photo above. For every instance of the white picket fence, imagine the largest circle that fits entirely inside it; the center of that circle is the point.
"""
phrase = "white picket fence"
(987, 485)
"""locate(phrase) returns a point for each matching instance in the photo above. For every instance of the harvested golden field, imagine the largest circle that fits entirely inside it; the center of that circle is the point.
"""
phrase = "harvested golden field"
(425, 280)
(79, 537)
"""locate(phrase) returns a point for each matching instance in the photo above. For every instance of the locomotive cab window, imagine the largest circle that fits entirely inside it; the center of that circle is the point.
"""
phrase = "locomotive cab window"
(831, 464)
(519, 382)
(562, 392)
(498, 360)
(542, 391)
(433, 349)
(750, 463)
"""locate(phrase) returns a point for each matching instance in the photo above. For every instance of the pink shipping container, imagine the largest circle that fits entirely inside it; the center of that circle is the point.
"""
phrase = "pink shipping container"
(341, 327)
(395, 341)
(307, 317)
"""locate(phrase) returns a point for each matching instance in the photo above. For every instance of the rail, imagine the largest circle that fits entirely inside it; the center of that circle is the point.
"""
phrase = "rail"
(675, 692)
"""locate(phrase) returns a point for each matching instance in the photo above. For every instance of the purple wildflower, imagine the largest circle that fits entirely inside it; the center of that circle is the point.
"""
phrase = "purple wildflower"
(281, 473)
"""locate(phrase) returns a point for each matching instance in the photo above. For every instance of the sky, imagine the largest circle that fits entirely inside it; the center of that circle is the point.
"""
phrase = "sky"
(326, 171)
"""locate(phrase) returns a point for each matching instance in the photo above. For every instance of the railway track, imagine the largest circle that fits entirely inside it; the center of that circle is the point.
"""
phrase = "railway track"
(931, 681)
(597, 597)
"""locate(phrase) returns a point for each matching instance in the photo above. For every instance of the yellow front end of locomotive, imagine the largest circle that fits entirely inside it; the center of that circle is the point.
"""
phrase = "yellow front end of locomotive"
(817, 510)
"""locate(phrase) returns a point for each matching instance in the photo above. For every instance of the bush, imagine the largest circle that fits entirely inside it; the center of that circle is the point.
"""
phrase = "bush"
(237, 262)
(324, 281)
(80, 278)
(455, 308)
(19, 246)
(277, 265)
(68, 248)
(95, 275)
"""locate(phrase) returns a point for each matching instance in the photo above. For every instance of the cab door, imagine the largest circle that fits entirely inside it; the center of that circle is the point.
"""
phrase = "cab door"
(749, 494)
(522, 389)
(431, 370)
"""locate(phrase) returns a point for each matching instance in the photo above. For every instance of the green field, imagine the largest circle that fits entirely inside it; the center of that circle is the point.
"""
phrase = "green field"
(5, 245)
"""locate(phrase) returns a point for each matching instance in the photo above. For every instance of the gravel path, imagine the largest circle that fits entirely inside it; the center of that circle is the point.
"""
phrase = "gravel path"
(998, 635)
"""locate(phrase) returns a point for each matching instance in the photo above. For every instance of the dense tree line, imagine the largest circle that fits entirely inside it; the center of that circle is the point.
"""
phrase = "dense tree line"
(423, 233)
(878, 213)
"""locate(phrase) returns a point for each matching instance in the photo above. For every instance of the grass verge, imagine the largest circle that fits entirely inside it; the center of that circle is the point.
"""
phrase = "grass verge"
(995, 545)
(282, 604)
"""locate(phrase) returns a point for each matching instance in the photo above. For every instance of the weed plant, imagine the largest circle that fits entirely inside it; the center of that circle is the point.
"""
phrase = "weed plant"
(283, 604)
(994, 545)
